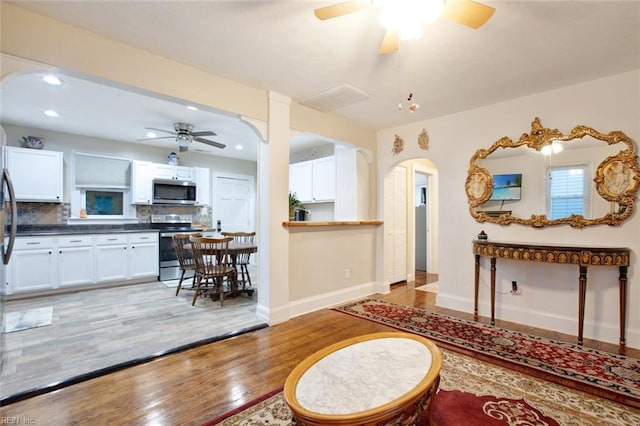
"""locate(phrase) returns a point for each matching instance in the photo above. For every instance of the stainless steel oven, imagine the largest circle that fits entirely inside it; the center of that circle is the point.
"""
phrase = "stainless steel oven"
(169, 225)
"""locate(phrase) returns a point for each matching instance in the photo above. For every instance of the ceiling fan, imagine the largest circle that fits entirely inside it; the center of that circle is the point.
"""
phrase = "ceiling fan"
(184, 135)
(404, 18)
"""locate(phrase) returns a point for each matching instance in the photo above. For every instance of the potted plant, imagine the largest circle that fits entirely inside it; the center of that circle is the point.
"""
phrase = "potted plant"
(294, 203)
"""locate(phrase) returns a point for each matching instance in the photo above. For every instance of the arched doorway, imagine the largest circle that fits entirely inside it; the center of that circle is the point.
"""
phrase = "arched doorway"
(410, 220)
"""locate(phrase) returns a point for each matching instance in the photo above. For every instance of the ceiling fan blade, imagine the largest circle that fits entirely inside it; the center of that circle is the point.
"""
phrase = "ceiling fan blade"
(161, 130)
(467, 12)
(341, 9)
(210, 143)
(390, 43)
(153, 139)
(205, 133)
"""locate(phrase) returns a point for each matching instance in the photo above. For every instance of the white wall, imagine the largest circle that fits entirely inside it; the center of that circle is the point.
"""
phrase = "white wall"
(549, 292)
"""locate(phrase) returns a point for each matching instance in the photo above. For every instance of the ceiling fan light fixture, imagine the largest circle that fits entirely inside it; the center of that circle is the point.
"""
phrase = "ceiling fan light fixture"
(183, 139)
(407, 16)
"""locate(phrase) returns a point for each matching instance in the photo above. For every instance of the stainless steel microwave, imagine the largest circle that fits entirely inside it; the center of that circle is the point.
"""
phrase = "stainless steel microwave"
(170, 191)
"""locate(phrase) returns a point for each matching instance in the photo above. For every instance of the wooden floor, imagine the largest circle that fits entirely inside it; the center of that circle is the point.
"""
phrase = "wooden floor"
(194, 386)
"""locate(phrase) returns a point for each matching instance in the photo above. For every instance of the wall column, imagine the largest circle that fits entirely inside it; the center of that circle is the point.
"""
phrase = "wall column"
(273, 175)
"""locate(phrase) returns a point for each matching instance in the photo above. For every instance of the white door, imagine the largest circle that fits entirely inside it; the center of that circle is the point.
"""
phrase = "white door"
(396, 206)
(234, 204)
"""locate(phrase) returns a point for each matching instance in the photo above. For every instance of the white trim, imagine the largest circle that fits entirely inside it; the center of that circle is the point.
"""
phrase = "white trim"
(327, 300)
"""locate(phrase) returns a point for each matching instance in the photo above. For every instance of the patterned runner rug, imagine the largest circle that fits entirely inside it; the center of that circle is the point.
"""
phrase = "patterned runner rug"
(608, 375)
(474, 393)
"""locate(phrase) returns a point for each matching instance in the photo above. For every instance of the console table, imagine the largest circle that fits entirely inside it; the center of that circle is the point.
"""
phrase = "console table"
(573, 255)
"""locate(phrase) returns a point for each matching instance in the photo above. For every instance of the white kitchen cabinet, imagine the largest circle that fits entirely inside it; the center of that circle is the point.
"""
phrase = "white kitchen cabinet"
(202, 179)
(122, 257)
(143, 255)
(112, 257)
(324, 179)
(169, 171)
(142, 174)
(32, 265)
(37, 174)
(314, 181)
(75, 260)
(47, 263)
(300, 180)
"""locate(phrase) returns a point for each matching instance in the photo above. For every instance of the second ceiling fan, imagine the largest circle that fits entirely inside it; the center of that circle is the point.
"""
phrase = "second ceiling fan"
(405, 17)
(184, 135)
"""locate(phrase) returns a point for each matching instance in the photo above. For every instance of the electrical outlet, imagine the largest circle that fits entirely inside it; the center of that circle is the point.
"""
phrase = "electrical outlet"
(347, 274)
(515, 290)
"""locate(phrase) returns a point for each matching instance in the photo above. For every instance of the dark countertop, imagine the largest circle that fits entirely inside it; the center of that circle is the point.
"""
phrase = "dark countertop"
(37, 230)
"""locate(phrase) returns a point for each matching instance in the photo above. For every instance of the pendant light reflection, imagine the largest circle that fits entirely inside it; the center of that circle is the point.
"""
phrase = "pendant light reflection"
(553, 148)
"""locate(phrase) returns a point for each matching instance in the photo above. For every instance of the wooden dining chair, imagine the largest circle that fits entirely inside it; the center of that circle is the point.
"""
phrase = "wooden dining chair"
(185, 257)
(242, 259)
(211, 256)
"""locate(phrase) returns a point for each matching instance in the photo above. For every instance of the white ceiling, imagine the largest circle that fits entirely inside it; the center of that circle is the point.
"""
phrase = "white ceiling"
(526, 47)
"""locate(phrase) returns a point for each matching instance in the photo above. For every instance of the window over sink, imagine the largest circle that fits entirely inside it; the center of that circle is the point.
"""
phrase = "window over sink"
(101, 188)
(102, 203)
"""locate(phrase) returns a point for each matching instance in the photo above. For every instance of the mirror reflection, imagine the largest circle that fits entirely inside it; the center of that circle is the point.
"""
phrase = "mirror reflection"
(547, 178)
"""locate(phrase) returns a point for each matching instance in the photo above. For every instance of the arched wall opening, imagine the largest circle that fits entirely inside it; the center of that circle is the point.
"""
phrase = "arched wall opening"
(403, 199)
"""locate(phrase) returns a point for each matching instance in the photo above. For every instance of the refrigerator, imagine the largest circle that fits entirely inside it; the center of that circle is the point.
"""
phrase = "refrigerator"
(8, 224)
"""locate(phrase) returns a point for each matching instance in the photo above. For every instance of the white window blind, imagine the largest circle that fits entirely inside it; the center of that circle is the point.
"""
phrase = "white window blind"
(95, 171)
(568, 191)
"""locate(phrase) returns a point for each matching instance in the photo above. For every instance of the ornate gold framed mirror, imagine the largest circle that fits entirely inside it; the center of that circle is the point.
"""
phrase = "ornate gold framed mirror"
(549, 178)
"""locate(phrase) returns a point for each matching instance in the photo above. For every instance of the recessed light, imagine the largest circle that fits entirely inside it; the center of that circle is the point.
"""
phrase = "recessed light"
(239, 147)
(151, 135)
(51, 113)
(52, 80)
(192, 108)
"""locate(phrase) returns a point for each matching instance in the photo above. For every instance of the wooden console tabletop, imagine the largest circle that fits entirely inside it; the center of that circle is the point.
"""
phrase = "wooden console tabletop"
(573, 255)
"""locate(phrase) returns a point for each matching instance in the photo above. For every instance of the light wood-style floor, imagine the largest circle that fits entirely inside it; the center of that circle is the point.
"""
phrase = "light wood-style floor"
(192, 387)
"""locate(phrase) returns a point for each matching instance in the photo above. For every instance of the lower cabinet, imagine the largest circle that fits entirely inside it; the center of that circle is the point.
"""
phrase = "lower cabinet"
(47, 263)
(114, 259)
(143, 256)
(32, 266)
(75, 260)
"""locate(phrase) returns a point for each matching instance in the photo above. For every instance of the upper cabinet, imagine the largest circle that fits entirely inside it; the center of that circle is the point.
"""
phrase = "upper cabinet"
(168, 171)
(142, 175)
(37, 175)
(203, 186)
(314, 181)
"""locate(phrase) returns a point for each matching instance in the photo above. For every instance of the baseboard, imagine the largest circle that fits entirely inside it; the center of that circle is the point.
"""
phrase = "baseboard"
(602, 332)
(326, 300)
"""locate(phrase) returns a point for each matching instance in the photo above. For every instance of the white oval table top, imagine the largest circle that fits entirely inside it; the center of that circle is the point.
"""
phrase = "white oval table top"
(364, 375)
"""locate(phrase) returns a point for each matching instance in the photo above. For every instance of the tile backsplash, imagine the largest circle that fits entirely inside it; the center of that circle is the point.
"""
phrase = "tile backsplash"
(58, 213)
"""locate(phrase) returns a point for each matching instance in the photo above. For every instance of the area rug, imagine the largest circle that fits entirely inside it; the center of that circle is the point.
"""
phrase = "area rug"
(24, 320)
(605, 374)
(473, 393)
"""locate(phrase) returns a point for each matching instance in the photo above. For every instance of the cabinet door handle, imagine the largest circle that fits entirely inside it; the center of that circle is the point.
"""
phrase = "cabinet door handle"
(112, 239)
(33, 243)
(75, 241)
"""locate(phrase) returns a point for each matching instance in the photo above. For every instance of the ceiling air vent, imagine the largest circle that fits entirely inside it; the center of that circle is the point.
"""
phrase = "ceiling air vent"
(338, 97)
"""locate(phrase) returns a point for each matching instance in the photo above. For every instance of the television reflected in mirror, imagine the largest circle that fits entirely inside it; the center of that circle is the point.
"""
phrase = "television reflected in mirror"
(507, 187)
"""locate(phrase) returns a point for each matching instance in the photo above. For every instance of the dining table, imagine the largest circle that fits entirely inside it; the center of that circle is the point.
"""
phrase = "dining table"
(234, 250)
